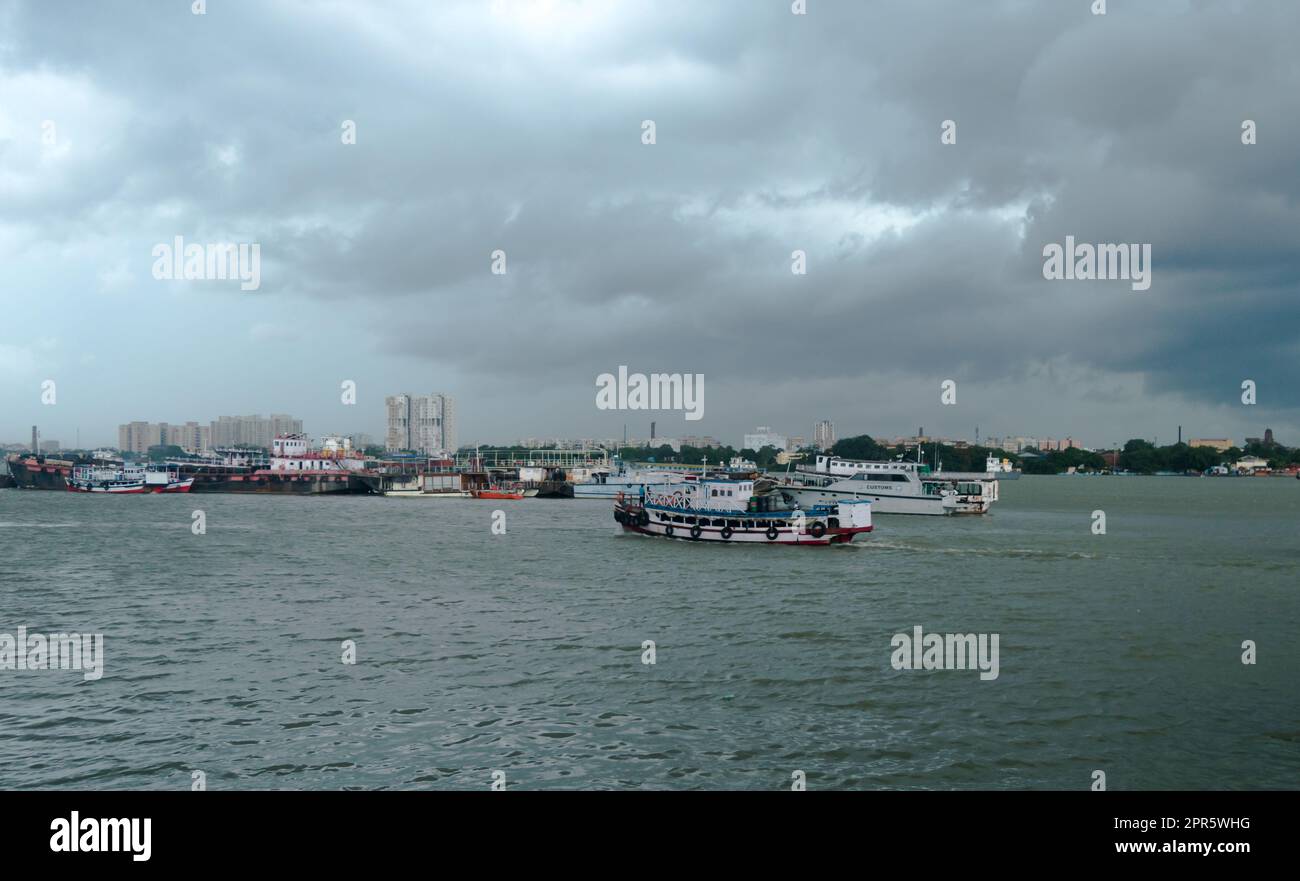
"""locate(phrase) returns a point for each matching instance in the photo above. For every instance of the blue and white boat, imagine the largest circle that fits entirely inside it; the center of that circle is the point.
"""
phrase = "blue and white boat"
(725, 510)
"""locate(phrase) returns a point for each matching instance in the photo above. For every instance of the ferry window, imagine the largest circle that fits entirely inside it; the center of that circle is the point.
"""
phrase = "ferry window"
(715, 492)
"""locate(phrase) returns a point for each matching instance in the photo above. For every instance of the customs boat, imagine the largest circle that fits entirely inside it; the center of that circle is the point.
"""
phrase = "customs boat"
(726, 510)
(608, 485)
(893, 487)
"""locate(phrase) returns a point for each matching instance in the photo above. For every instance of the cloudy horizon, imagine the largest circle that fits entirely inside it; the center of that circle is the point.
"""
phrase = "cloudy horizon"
(519, 125)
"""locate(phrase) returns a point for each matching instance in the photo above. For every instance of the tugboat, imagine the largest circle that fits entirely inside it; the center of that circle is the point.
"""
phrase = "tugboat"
(726, 510)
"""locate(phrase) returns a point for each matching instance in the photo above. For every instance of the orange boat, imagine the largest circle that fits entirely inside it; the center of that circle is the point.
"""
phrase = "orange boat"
(498, 492)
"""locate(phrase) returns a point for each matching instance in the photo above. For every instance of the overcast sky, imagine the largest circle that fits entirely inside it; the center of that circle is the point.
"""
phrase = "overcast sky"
(518, 126)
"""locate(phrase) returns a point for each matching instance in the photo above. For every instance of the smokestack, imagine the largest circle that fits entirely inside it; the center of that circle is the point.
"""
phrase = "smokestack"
(35, 449)
(652, 431)
(1180, 434)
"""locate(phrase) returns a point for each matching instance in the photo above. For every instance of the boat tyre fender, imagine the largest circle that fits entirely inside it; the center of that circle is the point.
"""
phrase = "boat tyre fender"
(817, 530)
(668, 530)
(620, 516)
(643, 519)
(695, 531)
(772, 533)
(726, 533)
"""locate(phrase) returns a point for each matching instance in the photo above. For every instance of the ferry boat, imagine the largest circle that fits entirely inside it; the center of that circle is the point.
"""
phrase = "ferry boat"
(893, 487)
(124, 479)
(726, 510)
(608, 485)
(128, 479)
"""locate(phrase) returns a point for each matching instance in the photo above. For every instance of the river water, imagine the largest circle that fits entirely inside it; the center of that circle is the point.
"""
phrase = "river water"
(522, 653)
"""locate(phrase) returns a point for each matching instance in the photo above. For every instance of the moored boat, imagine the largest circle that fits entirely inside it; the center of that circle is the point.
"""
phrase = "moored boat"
(726, 510)
(608, 485)
(127, 479)
(499, 492)
(893, 487)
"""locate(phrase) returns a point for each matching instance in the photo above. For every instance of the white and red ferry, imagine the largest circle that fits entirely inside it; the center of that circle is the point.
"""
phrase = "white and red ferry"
(127, 479)
(719, 509)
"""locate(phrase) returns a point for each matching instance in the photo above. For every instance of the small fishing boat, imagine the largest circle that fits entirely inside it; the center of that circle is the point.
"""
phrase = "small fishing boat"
(727, 510)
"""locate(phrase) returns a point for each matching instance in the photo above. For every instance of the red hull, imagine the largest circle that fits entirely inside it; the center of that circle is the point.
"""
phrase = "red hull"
(497, 494)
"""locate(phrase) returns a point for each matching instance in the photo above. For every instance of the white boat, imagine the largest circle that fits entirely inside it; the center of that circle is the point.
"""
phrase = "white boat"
(892, 487)
(128, 478)
(726, 510)
(607, 485)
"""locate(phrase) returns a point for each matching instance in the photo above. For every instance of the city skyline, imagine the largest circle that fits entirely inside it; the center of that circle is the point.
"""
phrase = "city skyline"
(277, 423)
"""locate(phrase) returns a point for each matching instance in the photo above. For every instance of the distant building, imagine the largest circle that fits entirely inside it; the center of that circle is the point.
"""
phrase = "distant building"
(251, 431)
(426, 423)
(1218, 443)
(49, 446)
(796, 442)
(763, 437)
(824, 434)
(691, 440)
(138, 437)
(1251, 463)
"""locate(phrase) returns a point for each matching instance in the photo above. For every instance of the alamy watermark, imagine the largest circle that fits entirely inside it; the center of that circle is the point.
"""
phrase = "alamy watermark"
(58, 651)
(1085, 261)
(216, 261)
(946, 651)
(658, 391)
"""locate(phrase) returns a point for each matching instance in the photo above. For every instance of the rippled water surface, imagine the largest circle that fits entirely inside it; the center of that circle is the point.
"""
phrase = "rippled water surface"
(522, 652)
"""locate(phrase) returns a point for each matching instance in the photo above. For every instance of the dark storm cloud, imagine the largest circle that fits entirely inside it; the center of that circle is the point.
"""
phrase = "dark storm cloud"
(495, 125)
